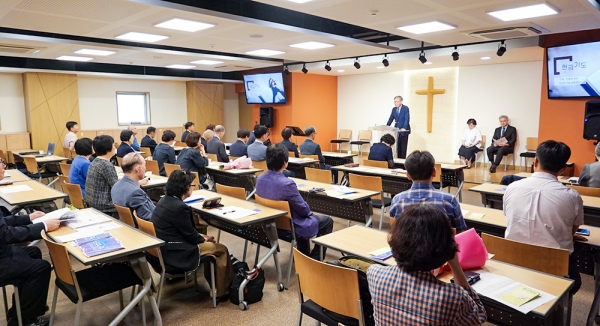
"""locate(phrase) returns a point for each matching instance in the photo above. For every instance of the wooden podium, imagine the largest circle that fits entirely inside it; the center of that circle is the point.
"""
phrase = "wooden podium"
(380, 130)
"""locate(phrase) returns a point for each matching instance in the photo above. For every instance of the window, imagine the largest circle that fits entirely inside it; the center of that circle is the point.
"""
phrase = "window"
(133, 108)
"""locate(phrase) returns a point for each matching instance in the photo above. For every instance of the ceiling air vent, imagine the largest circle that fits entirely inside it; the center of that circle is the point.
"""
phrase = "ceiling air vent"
(13, 48)
(505, 33)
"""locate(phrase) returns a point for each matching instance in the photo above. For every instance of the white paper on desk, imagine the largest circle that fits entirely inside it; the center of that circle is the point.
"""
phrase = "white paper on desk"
(337, 194)
(86, 218)
(574, 179)
(233, 213)
(52, 215)
(237, 170)
(343, 189)
(100, 227)
(13, 189)
(360, 168)
(464, 212)
(495, 286)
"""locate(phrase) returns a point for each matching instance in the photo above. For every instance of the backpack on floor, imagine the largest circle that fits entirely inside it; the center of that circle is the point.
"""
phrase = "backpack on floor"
(254, 289)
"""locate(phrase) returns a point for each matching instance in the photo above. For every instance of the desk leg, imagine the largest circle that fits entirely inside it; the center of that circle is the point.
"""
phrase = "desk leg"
(567, 301)
(345, 179)
(459, 191)
(596, 278)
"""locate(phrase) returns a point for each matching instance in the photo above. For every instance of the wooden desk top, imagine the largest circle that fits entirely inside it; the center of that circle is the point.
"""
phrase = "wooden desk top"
(155, 181)
(302, 161)
(362, 169)
(265, 214)
(39, 193)
(47, 159)
(178, 148)
(359, 195)
(337, 154)
(132, 239)
(215, 167)
(15, 175)
(445, 166)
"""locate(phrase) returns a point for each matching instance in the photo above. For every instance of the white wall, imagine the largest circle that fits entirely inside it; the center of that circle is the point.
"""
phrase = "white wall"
(12, 104)
(231, 112)
(98, 105)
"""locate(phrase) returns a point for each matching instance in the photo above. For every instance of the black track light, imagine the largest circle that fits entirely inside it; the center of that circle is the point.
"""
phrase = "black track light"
(286, 70)
(327, 66)
(422, 57)
(385, 61)
(304, 70)
(356, 64)
(501, 49)
(455, 55)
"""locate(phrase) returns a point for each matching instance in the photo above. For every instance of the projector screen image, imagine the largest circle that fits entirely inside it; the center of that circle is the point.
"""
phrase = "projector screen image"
(574, 70)
(264, 88)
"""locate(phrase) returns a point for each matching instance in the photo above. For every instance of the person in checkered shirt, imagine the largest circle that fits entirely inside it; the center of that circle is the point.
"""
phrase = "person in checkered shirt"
(408, 293)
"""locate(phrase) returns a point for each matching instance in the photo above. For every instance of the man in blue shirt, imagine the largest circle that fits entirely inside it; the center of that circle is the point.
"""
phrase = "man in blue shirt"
(420, 168)
(239, 148)
(135, 145)
(81, 163)
(382, 151)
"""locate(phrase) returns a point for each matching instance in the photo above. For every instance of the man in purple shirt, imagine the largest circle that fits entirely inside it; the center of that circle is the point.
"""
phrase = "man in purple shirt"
(275, 186)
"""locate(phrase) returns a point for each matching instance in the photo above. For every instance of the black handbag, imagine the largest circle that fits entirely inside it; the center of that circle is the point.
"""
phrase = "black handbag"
(253, 292)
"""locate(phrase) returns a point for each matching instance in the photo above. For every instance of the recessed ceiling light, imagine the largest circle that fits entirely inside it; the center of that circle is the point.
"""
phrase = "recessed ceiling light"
(184, 25)
(486, 58)
(426, 27)
(428, 63)
(102, 53)
(141, 37)
(73, 58)
(524, 12)
(312, 45)
(264, 52)
(341, 70)
(300, 1)
(207, 62)
(181, 66)
(380, 67)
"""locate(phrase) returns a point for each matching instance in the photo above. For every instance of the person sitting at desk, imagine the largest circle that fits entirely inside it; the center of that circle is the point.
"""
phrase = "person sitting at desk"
(286, 133)
(206, 136)
(420, 168)
(81, 163)
(164, 152)
(189, 128)
(193, 157)
(408, 293)
(257, 151)
(590, 174)
(134, 142)
(275, 186)
(148, 140)
(542, 211)
(126, 142)
(102, 176)
(382, 151)
(172, 220)
(471, 142)
(309, 147)
(239, 148)
(216, 146)
(71, 136)
(127, 192)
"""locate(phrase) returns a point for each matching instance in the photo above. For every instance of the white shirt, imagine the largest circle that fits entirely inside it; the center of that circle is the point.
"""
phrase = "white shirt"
(542, 211)
(70, 139)
(471, 136)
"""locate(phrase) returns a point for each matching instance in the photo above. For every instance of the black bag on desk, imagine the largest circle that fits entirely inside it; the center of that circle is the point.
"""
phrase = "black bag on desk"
(254, 289)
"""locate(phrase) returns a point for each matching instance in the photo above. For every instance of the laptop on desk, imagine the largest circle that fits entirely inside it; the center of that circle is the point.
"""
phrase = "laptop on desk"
(49, 152)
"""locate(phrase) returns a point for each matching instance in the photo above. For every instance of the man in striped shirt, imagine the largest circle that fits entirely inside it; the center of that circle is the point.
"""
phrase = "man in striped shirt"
(420, 168)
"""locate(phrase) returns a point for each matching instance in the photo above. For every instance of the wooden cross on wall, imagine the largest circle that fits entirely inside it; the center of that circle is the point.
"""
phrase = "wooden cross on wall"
(430, 91)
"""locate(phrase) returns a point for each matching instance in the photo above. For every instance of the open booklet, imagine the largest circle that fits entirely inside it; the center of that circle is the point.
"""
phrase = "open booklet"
(60, 214)
(500, 142)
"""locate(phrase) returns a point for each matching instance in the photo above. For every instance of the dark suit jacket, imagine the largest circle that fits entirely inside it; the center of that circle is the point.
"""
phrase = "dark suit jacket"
(173, 223)
(309, 147)
(590, 175)
(382, 152)
(238, 149)
(290, 146)
(148, 142)
(184, 135)
(510, 134)
(402, 117)
(216, 146)
(17, 229)
(124, 149)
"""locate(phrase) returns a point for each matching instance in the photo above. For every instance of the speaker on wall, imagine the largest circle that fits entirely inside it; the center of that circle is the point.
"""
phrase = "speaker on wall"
(266, 116)
(591, 122)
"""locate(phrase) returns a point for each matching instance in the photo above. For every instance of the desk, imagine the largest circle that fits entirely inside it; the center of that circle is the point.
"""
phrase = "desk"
(334, 158)
(297, 165)
(346, 241)
(39, 195)
(243, 178)
(259, 228)
(392, 183)
(135, 243)
(356, 207)
(453, 175)
(154, 182)
(47, 159)
(15, 175)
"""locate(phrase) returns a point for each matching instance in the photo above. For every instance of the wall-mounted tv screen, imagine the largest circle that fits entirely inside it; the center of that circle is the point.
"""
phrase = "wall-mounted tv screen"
(264, 88)
(574, 70)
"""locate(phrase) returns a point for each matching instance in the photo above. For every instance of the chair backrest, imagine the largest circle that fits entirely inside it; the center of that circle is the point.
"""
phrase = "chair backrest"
(438, 172)
(586, 191)
(68, 152)
(152, 166)
(30, 164)
(364, 135)
(170, 168)
(367, 183)
(313, 156)
(483, 141)
(196, 181)
(148, 228)
(74, 192)
(145, 151)
(3, 156)
(62, 179)
(125, 215)
(60, 260)
(236, 192)
(65, 168)
(120, 161)
(282, 222)
(331, 287)
(345, 134)
(378, 164)
(532, 143)
(544, 259)
(212, 157)
(318, 175)
(260, 165)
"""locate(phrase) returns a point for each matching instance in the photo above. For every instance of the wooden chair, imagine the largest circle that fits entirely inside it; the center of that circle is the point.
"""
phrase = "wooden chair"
(180, 144)
(438, 175)
(152, 166)
(82, 286)
(377, 164)
(586, 191)
(3, 156)
(120, 161)
(148, 228)
(318, 175)
(235, 192)
(75, 195)
(530, 147)
(197, 185)
(212, 157)
(544, 259)
(260, 165)
(328, 286)
(374, 184)
(69, 153)
(65, 169)
(343, 137)
(364, 138)
(146, 152)
(312, 156)
(17, 301)
(125, 215)
(283, 223)
(170, 168)
(34, 172)
(481, 151)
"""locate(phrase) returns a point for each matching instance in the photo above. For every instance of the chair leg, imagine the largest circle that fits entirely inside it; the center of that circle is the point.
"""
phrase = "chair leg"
(18, 306)
(287, 284)
(382, 216)
(348, 223)
(218, 235)
(196, 280)
(121, 299)
(160, 286)
(53, 310)
(213, 287)
(245, 249)
(143, 312)
(5, 300)
(78, 313)
(257, 254)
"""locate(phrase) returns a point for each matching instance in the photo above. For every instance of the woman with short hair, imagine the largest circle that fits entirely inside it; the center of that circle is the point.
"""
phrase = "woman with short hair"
(471, 143)
(193, 157)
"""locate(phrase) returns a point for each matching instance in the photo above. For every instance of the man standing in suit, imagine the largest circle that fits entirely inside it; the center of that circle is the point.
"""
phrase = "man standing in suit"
(401, 114)
(216, 146)
(504, 147)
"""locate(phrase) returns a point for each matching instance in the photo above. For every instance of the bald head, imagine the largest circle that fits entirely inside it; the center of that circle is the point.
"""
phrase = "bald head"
(208, 134)
(219, 131)
(134, 166)
(133, 128)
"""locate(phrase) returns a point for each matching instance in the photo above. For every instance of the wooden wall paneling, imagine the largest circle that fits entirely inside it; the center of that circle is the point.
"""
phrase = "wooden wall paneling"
(3, 143)
(178, 132)
(245, 113)
(141, 133)
(204, 103)
(91, 134)
(20, 141)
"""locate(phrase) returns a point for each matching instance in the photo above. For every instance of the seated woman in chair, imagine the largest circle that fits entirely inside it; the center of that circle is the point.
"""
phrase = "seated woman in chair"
(471, 142)
(172, 220)
(193, 157)
(382, 151)
(408, 293)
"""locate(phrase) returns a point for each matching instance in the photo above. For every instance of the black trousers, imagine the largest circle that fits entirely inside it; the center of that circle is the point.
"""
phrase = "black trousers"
(574, 275)
(401, 145)
(500, 152)
(25, 268)
(325, 227)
